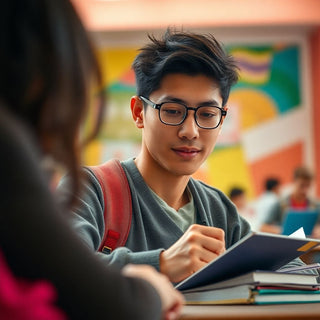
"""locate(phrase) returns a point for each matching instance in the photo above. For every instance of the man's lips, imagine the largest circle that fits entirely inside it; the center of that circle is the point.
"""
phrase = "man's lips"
(186, 151)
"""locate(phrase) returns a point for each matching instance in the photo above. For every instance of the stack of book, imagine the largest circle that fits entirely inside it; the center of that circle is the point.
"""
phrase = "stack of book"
(258, 287)
(233, 278)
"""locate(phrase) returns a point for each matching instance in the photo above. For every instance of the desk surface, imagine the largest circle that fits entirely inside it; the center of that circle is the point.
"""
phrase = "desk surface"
(305, 311)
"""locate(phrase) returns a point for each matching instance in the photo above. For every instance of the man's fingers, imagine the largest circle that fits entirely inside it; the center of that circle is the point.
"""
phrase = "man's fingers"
(199, 240)
(205, 250)
(212, 232)
(198, 246)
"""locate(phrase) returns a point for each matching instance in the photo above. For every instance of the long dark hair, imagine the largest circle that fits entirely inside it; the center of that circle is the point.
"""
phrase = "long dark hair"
(47, 69)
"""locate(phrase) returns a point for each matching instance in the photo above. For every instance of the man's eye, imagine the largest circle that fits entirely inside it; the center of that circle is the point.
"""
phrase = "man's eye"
(172, 111)
(208, 113)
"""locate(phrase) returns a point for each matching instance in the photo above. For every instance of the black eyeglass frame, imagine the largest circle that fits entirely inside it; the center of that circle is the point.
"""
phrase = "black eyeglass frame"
(159, 105)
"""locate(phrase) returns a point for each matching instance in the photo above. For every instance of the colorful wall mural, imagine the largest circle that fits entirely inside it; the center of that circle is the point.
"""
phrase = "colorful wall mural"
(264, 133)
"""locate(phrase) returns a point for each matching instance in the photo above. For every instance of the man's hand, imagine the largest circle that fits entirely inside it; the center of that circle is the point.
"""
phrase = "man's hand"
(198, 246)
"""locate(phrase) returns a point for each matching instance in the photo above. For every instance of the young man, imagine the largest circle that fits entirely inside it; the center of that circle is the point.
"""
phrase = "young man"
(178, 224)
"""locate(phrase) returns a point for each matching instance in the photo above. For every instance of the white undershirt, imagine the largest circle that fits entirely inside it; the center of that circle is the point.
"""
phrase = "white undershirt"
(184, 217)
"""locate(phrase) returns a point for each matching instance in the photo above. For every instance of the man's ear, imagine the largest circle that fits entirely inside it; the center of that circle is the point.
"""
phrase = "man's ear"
(137, 111)
(222, 120)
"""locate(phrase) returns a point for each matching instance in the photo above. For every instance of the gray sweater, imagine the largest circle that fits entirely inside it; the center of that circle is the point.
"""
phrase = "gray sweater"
(152, 230)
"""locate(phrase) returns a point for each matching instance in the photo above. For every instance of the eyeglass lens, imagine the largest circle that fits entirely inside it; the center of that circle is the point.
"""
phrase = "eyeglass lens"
(175, 113)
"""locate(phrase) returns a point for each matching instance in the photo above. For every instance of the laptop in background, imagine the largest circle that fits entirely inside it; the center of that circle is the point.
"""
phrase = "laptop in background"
(296, 219)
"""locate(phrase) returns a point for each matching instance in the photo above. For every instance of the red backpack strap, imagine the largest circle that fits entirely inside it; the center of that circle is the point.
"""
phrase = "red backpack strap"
(117, 204)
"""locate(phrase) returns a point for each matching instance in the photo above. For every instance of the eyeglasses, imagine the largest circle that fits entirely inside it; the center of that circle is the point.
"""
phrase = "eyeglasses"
(174, 113)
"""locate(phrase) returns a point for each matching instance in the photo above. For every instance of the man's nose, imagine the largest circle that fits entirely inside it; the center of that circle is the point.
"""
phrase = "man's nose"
(189, 128)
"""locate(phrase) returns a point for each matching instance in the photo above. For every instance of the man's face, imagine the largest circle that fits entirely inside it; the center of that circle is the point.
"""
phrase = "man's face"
(302, 187)
(240, 201)
(180, 149)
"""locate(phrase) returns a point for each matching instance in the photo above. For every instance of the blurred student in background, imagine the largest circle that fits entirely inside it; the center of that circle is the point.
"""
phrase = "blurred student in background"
(47, 69)
(239, 198)
(267, 199)
(298, 199)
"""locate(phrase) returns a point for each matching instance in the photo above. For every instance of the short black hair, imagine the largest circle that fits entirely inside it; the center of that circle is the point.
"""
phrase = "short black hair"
(235, 192)
(302, 173)
(187, 53)
(271, 183)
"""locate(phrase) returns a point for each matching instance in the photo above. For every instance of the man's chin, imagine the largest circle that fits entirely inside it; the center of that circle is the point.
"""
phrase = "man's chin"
(184, 170)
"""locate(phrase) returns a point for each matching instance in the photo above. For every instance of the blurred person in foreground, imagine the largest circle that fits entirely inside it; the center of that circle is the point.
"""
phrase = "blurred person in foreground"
(47, 73)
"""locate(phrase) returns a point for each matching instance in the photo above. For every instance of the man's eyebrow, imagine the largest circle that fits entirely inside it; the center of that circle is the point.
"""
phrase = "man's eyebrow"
(207, 103)
(173, 99)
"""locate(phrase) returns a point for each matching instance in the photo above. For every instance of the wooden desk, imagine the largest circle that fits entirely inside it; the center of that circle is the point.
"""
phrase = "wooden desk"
(306, 311)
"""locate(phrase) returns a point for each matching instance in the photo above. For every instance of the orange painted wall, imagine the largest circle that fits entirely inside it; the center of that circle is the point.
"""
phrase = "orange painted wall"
(148, 14)
(315, 70)
(280, 164)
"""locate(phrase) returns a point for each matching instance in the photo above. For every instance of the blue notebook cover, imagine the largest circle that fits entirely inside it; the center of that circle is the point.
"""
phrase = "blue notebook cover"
(256, 251)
